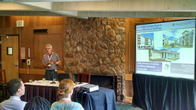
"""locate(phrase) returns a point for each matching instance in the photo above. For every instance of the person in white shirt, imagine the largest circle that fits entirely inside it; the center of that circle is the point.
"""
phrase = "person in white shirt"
(16, 89)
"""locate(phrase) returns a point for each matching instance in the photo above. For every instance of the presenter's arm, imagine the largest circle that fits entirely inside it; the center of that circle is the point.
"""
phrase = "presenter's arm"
(58, 63)
(46, 64)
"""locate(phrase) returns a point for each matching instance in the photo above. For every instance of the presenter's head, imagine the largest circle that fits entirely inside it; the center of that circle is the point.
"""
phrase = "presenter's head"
(16, 87)
(49, 48)
(65, 88)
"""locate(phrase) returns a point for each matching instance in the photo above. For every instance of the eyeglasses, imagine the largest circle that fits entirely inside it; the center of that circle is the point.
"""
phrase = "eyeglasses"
(48, 48)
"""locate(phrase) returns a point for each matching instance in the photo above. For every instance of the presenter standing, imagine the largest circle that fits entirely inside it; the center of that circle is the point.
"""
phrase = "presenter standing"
(50, 61)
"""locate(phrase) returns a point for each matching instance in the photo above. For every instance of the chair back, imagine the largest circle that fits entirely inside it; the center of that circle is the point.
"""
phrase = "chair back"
(2, 76)
(84, 77)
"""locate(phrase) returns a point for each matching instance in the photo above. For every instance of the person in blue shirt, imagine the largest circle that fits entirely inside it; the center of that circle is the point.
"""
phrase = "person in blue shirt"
(65, 90)
(16, 89)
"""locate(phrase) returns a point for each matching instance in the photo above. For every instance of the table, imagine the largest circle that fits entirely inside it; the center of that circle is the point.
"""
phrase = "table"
(42, 89)
(104, 99)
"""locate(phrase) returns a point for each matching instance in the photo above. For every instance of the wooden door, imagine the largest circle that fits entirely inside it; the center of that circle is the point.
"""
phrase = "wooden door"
(9, 55)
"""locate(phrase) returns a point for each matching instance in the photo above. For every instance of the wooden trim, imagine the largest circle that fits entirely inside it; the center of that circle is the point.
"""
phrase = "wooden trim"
(36, 71)
(128, 77)
(128, 99)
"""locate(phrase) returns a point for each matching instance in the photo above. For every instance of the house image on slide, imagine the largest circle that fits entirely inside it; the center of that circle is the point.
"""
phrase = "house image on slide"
(165, 55)
(144, 42)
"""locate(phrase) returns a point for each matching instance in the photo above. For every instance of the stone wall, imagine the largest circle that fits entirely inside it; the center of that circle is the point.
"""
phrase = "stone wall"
(96, 46)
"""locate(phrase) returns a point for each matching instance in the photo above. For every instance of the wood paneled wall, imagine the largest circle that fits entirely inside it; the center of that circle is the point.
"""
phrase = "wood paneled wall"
(130, 50)
(36, 42)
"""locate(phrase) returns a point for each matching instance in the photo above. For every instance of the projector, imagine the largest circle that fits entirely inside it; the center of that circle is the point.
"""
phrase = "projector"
(89, 88)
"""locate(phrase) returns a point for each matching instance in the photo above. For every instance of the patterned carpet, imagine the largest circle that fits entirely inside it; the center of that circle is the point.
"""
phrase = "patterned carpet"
(126, 106)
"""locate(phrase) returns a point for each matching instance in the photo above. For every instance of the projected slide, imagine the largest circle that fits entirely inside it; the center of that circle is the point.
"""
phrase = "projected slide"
(166, 49)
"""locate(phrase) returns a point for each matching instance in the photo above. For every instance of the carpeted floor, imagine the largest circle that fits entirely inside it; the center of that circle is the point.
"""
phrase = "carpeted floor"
(126, 106)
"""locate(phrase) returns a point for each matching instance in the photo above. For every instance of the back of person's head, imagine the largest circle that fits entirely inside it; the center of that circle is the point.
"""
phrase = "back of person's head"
(65, 88)
(37, 103)
(13, 86)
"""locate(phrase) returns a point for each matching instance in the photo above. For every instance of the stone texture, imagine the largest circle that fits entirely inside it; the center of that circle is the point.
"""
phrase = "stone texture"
(73, 69)
(114, 23)
(89, 33)
(123, 37)
(121, 29)
(103, 54)
(116, 61)
(66, 37)
(96, 71)
(93, 25)
(87, 28)
(123, 59)
(67, 31)
(95, 56)
(112, 56)
(113, 71)
(84, 35)
(107, 61)
(122, 24)
(99, 34)
(100, 28)
(113, 43)
(66, 26)
(92, 37)
(122, 65)
(107, 27)
(111, 49)
(102, 68)
(79, 69)
(77, 49)
(121, 44)
(69, 55)
(111, 35)
(104, 45)
(78, 56)
(72, 43)
(93, 45)
(89, 57)
(104, 21)
(96, 46)
(97, 63)
(73, 32)
(76, 38)
(118, 38)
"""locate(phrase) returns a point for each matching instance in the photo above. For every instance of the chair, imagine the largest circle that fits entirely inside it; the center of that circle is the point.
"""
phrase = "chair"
(3, 82)
(82, 77)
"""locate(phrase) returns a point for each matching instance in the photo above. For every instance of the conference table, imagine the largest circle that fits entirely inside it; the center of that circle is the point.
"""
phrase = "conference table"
(103, 99)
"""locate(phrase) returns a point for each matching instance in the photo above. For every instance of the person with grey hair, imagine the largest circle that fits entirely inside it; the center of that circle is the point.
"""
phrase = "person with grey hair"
(51, 61)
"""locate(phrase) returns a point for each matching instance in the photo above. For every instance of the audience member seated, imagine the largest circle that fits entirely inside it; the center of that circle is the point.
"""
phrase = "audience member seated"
(16, 89)
(37, 103)
(65, 90)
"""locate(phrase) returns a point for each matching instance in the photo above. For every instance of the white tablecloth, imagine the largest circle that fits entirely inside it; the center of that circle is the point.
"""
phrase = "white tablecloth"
(48, 83)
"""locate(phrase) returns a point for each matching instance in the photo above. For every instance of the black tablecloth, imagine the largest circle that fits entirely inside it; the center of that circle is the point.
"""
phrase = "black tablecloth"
(104, 99)
(164, 93)
(47, 92)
